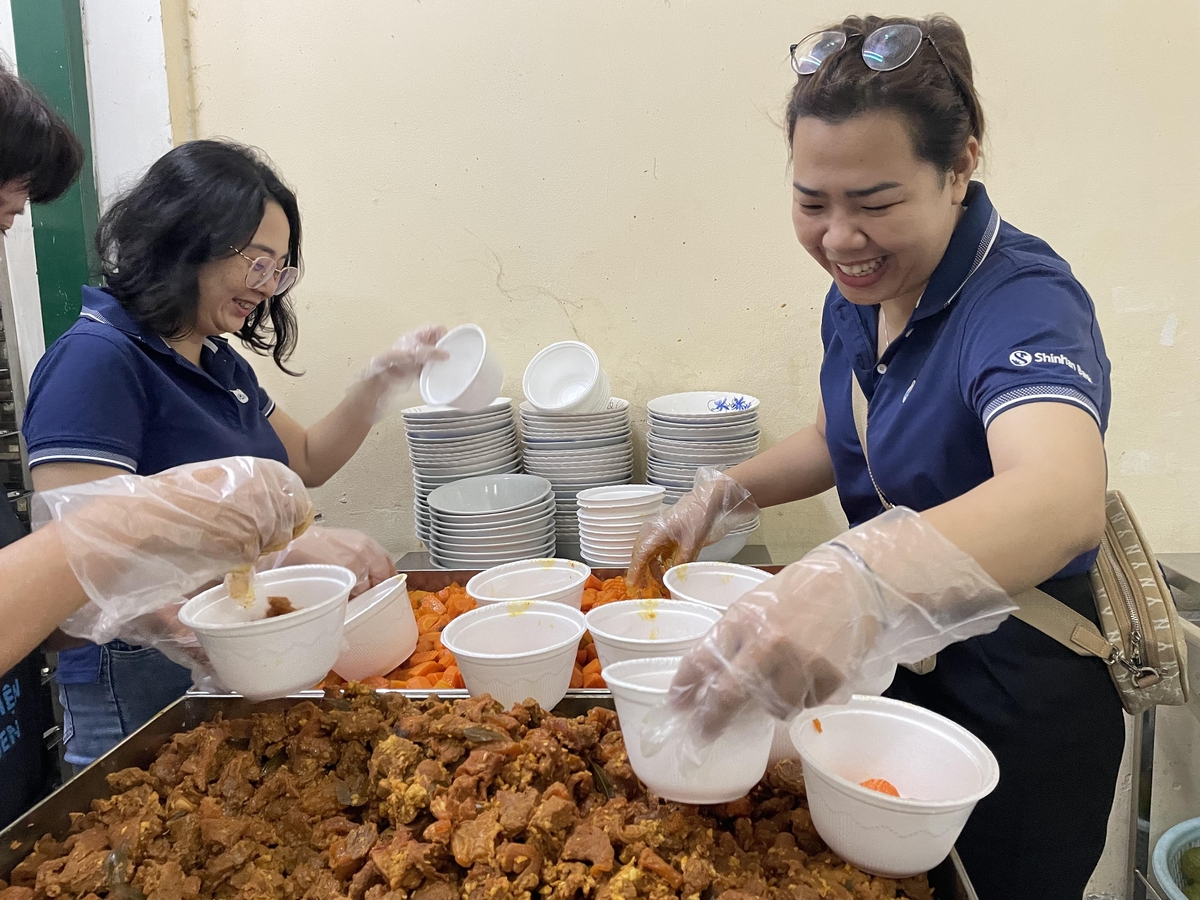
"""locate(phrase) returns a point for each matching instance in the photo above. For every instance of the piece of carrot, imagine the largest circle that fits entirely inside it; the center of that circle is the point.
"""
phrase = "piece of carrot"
(398, 683)
(594, 681)
(419, 683)
(592, 668)
(446, 658)
(425, 656)
(591, 652)
(577, 677)
(376, 682)
(427, 623)
(581, 658)
(425, 668)
(457, 680)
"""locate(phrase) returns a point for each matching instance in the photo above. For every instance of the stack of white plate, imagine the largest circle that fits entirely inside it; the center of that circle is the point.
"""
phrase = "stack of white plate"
(699, 428)
(491, 519)
(610, 519)
(446, 445)
(577, 452)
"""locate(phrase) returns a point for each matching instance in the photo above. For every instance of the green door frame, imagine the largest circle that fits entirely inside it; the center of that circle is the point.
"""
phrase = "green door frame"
(50, 54)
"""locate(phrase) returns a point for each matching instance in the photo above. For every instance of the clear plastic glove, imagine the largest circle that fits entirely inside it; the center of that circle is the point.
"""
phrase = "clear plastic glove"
(890, 591)
(139, 543)
(358, 552)
(394, 371)
(715, 506)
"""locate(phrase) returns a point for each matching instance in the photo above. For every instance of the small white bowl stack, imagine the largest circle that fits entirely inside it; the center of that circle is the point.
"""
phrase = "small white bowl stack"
(446, 445)
(695, 429)
(574, 434)
(489, 520)
(610, 519)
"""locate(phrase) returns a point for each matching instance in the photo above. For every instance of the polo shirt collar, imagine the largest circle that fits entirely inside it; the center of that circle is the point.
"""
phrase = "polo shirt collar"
(969, 245)
(101, 306)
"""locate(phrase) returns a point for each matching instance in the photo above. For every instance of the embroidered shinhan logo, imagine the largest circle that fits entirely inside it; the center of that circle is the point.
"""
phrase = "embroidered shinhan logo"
(242, 398)
(1023, 358)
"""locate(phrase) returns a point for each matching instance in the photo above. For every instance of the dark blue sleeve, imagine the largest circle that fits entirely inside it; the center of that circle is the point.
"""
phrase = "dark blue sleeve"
(86, 404)
(1033, 338)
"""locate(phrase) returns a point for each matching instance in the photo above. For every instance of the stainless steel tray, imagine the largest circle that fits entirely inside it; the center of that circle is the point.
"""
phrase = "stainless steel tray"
(51, 816)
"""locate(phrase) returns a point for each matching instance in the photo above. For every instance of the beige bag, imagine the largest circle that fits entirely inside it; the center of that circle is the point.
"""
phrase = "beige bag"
(1142, 642)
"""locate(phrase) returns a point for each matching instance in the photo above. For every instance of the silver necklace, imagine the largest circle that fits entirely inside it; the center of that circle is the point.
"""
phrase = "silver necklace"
(887, 337)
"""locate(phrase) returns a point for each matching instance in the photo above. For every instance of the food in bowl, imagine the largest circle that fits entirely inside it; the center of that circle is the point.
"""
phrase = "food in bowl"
(360, 792)
(880, 784)
(278, 606)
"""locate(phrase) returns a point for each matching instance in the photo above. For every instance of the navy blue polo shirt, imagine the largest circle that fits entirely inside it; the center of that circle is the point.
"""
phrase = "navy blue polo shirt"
(113, 393)
(1001, 323)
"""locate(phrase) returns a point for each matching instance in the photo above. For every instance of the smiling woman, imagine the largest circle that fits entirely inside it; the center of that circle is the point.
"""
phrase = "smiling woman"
(206, 245)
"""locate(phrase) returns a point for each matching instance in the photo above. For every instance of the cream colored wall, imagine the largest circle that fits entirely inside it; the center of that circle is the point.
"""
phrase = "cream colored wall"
(614, 171)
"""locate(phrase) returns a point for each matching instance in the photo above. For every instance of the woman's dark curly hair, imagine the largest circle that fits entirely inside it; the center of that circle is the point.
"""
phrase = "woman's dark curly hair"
(38, 150)
(196, 203)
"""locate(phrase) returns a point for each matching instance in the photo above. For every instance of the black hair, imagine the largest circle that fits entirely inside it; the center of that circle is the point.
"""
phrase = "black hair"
(194, 204)
(38, 150)
(934, 91)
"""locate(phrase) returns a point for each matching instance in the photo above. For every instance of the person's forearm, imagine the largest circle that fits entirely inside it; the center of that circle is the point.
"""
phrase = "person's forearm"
(794, 469)
(331, 442)
(38, 590)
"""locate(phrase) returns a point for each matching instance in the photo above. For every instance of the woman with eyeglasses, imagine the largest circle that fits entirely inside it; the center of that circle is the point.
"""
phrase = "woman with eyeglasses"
(973, 357)
(205, 245)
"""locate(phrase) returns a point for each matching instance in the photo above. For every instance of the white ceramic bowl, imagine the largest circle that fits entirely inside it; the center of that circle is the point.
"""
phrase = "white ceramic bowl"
(552, 580)
(565, 378)
(940, 769)
(517, 650)
(726, 548)
(262, 658)
(715, 584)
(703, 404)
(642, 629)
(485, 494)
(734, 764)
(521, 516)
(469, 378)
(428, 413)
(380, 633)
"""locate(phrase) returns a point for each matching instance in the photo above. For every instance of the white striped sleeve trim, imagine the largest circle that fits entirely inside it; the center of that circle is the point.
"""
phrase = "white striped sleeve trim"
(1038, 393)
(270, 408)
(81, 454)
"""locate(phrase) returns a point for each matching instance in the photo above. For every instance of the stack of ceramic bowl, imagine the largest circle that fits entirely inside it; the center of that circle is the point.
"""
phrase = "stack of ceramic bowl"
(610, 519)
(574, 434)
(576, 453)
(446, 445)
(696, 429)
(488, 520)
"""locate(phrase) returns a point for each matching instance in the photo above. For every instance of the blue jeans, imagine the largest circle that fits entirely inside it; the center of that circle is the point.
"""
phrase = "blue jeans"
(134, 684)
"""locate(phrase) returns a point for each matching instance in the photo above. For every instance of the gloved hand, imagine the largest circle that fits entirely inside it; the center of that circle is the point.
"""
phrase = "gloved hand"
(394, 371)
(835, 623)
(139, 543)
(358, 552)
(715, 506)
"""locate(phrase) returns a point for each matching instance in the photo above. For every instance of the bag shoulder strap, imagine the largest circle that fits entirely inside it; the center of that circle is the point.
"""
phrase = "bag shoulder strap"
(1035, 608)
(859, 405)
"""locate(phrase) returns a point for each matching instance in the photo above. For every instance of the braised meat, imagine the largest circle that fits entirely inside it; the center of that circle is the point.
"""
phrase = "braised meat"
(384, 798)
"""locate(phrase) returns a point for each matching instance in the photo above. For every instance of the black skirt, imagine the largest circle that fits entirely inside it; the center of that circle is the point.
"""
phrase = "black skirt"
(1055, 723)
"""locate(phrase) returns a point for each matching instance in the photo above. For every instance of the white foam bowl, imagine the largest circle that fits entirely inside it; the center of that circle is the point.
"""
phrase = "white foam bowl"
(487, 494)
(469, 378)
(566, 378)
(517, 650)
(380, 632)
(940, 769)
(262, 658)
(735, 762)
(552, 580)
(715, 584)
(643, 629)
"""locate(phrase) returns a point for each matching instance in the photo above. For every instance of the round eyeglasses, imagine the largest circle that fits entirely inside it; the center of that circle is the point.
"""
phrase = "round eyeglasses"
(263, 269)
(883, 50)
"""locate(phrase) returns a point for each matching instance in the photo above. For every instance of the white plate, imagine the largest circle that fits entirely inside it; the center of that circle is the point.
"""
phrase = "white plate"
(474, 457)
(428, 413)
(741, 445)
(703, 403)
(580, 457)
(461, 444)
(462, 470)
(426, 484)
(700, 459)
(486, 561)
(616, 406)
(730, 419)
(550, 470)
(584, 443)
(704, 432)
